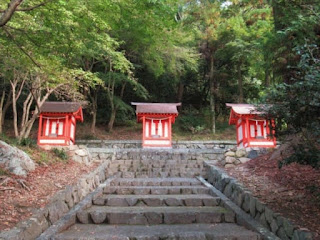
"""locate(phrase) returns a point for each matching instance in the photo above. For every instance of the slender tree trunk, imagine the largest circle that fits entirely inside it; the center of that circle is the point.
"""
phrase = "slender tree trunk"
(112, 118)
(94, 100)
(212, 96)
(267, 78)
(26, 108)
(5, 108)
(14, 109)
(25, 132)
(180, 91)
(240, 83)
(1, 109)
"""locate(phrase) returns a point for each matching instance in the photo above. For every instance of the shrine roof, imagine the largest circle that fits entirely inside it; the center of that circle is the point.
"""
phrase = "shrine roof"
(157, 108)
(244, 109)
(60, 107)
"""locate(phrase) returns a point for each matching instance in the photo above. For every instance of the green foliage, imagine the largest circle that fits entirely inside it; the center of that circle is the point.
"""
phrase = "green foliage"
(305, 154)
(60, 153)
(27, 142)
(193, 123)
(297, 106)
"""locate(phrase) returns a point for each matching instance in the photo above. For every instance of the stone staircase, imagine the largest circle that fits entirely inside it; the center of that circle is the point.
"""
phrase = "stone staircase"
(156, 209)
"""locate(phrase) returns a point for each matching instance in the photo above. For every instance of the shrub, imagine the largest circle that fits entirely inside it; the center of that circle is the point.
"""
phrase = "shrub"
(27, 142)
(60, 153)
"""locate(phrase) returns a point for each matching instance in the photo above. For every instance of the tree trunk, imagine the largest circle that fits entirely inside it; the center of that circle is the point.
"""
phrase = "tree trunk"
(240, 83)
(212, 96)
(180, 91)
(112, 118)
(14, 109)
(94, 100)
(267, 78)
(5, 108)
(1, 109)
(25, 131)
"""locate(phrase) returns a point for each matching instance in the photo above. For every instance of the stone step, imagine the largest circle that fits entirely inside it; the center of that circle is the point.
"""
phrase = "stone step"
(157, 200)
(155, 190)
(155, 182)
(154, 215)
(220, 231)
(156, 173)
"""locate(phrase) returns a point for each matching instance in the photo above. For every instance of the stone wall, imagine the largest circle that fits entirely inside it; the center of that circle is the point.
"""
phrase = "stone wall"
(118, 144)
(132, 163)
(238, 155)
(60, 204)
(242, 197)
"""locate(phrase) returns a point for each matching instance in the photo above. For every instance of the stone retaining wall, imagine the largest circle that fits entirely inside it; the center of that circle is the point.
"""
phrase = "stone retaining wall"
(60, 204)
(175, 144)
(131, 163)
(241, 196)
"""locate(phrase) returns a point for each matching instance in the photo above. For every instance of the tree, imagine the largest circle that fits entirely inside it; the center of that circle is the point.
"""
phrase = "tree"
(297, 106)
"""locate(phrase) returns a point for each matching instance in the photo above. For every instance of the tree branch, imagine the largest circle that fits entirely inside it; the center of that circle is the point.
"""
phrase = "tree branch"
(33, 7)
(8, 13)
(20, 47)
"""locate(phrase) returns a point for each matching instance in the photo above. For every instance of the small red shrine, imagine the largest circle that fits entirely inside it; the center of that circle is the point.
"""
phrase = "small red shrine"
(156, 120)
(57, 123)
(253, 130)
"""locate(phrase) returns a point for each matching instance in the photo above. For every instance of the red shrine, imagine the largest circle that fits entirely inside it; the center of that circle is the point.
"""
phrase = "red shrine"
(156, 119)
(252, 129)
(57, 123)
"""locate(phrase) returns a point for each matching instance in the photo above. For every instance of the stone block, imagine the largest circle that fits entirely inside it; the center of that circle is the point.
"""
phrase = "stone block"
(263, 220)
(252, 206)
(131, 201)
(246, 202)
(282, 235)
(173, 202)
(100, 201)
(228, 189)
(153, 202)
(230, 154)
(269, 214)
(83, 217)
(274, 226)
(179, 218)
(142, 191)
(230, 160)
(241, 152)
(98, 217)
(288, 227)
(174, 191)
(117, 202)
(229, 217)
(159, 191)
(244, 159)
(208, 217)
(260, 206)
(153, 218)
(211, 201)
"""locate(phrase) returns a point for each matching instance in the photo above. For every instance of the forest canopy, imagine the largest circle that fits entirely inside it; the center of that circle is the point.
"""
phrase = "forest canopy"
(204, 53)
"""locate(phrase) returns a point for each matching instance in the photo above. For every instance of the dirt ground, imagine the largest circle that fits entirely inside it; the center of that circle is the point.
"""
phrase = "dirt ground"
(20, 196)
(293, 191)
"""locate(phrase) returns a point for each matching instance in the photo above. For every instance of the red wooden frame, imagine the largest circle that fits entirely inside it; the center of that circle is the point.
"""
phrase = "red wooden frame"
(67, 137)
(246, 124)
(149, 140)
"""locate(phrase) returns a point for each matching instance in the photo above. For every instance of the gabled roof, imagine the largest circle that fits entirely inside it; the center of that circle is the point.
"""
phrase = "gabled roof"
(60, 107)
(243, 109)
(63, 107)
(156, 108)
(238, 110)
